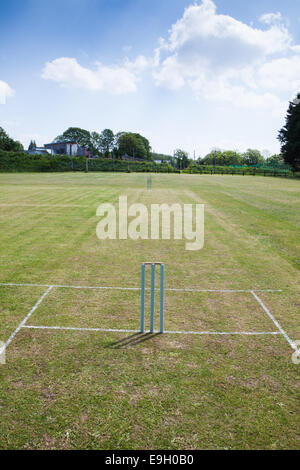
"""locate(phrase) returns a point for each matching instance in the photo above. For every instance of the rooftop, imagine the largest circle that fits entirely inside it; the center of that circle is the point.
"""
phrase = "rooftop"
(62, 142)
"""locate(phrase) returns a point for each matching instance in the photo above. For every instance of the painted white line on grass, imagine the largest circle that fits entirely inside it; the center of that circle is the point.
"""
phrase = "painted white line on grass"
(21, 325)
(156, 331)
(136, 288)
(167, 289)
(98, 287)
(43, 205)
(78, 329)
(66, 286)
(10, 284)
(223, 290)
(247, 333)
(291, 343)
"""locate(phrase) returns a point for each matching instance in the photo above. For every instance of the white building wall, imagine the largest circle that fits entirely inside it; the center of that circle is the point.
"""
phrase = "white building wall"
(74, 148)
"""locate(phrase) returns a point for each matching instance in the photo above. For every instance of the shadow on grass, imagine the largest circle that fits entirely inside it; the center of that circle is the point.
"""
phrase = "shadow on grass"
(132, 340)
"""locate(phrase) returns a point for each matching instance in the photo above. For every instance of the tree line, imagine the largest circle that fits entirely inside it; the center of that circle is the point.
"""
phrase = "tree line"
(106, 144)
(251, 157)
(8, 144)
(221, 158)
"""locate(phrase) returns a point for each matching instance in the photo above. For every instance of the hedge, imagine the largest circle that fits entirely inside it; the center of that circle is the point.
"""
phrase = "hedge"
(225, 170)
(23, 162)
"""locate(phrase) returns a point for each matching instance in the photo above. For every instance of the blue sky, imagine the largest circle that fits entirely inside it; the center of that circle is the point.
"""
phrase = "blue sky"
(191, 75)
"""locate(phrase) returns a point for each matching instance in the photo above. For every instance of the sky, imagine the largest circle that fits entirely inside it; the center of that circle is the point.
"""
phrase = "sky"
(190, 75)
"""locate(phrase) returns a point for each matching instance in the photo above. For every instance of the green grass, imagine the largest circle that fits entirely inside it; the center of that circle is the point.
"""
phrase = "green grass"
(74, 389)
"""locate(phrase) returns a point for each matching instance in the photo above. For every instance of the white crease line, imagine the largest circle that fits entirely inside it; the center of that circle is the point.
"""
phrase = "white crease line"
(78, 329)
(44, 205)
(67, 286)
(137, 288)
(21, 325)
(224, 290)
(25, 285)
(224, 332)
(98, 287)
(156, 331)
(291, 343)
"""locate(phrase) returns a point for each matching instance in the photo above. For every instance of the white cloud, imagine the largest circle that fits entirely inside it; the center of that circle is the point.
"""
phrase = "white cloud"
(296, 48)
(223, 59)
(170, 74)
(280, 74)
(201, 26)
(5, 92)
(270, 18)
(220, 90)
(138, 65)
(113, 79)
(218, 57)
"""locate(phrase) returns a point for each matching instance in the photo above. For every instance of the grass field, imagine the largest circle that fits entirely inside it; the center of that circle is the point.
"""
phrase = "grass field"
(67, 388)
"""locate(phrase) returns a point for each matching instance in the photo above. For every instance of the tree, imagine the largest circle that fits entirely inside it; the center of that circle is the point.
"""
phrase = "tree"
(231, 157)
(103, 143)
(145, 143)
(252, 157)
(214, 156)
(8, 144)
(76, 134)
(275, 161)
(32, 145)
(289, 135)
(95, 142)
(106, 141)
(222, 158)
(133, 144)
(182, 159)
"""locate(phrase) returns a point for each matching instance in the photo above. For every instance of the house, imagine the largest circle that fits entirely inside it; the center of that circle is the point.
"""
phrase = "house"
(70, 148)
(38, 151)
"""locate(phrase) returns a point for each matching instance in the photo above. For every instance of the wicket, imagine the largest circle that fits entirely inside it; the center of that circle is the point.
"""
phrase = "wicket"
(149, 182)
(152, 299)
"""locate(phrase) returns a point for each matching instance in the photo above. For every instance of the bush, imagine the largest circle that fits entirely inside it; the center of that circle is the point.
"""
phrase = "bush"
(226, 170)
(25, 162)
(22, 162)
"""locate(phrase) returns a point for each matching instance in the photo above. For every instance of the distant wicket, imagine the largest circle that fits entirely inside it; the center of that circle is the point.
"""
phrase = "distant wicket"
(149, 182)
(152, 299)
